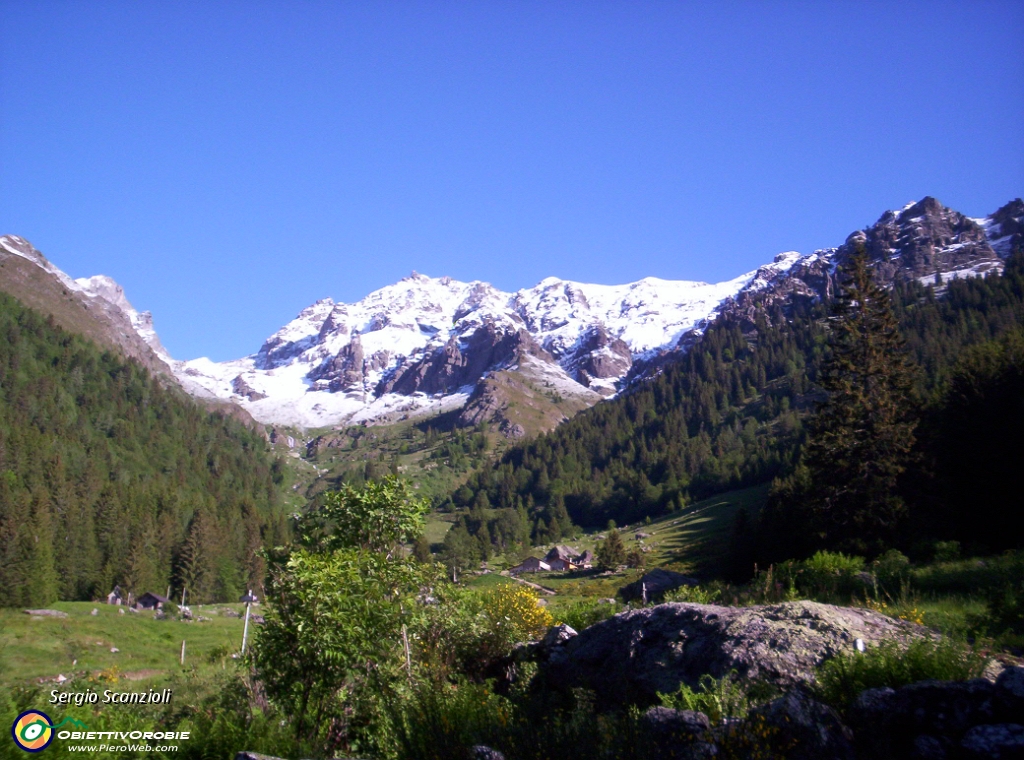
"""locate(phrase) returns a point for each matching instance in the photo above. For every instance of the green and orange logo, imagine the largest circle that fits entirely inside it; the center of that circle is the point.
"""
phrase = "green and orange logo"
(32, 731)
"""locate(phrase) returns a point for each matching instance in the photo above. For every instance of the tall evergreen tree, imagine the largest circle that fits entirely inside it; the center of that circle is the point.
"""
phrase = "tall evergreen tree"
(862, 434)
(612, 552)
(42, 583)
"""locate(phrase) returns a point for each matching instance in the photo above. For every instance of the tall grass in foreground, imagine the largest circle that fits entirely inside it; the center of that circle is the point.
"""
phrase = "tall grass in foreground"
(890, 664)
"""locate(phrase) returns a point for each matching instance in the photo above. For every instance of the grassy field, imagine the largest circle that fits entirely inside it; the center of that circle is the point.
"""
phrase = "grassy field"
(80, 645)
(694, 541)
(697, 542)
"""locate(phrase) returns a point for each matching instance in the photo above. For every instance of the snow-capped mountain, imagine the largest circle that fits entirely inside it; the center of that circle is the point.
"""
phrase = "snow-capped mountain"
(422, 344)
(95, 307)
(429, 345)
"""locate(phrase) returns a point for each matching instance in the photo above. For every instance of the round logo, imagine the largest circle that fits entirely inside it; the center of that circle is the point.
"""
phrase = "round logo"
(32, 731)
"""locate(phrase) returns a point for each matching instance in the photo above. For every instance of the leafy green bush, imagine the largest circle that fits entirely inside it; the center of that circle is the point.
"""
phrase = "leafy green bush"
(585, 613)
(442, 721)
(469, 630)
(947, 551)
(717, 698)
(693, 595)
(891, 571)
(1004, 617)
(967, 576)
(829, 573)
(891, 664)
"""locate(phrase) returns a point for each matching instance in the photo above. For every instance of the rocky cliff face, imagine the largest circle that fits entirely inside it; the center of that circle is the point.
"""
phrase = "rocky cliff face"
(923, 239)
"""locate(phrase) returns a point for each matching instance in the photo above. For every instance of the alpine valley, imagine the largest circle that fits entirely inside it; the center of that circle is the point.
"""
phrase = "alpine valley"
(523, 361)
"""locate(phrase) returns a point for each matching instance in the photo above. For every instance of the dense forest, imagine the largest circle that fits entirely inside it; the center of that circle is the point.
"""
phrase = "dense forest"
(108, 476)
(732, 413)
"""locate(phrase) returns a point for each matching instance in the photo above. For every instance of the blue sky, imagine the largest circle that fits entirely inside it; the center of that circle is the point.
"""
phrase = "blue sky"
(231, 162)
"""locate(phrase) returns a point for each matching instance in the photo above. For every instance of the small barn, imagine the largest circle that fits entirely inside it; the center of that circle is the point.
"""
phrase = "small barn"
(585, 561)
(116, 596)
(566, 553)
(151, 601)
(530, 565)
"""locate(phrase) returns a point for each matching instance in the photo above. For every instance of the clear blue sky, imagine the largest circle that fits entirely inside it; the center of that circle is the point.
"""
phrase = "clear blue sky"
(231, 162)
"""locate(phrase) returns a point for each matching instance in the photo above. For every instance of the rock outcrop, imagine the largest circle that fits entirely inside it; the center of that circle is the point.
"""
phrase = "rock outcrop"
(631, 657)
(654, 585)
(942, 719)
(457, 364)
(923, 238)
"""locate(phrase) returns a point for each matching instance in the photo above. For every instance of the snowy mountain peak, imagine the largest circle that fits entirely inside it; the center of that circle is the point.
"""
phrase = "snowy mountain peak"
(424, 345)
(417, 342)
(93, 306)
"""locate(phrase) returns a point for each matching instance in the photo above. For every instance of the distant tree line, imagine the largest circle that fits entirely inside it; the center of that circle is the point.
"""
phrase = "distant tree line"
(732, 412)
(109, 476)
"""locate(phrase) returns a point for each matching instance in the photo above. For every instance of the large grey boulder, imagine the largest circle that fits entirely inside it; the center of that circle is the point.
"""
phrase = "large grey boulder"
(655, 584)
(1000, 741)
(929, 719)
(802, 728)
(632, 656)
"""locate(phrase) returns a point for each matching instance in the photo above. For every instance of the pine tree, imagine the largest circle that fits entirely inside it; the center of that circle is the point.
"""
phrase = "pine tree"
(861, 436)
(612, 552)
(42, 582)
(421, 549)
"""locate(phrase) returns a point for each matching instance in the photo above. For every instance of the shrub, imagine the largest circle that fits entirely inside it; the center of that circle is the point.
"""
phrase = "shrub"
(469, 630)
(947, 551)
(441, 721)
(829, 573)
(891, 664)
(513, 614)
(967, 576)
(717, 698)
(693, 595)
(583, 614)
(892, 571)
(1005, 613)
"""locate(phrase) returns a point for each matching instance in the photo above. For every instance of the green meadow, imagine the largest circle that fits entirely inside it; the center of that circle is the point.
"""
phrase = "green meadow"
(35, 649)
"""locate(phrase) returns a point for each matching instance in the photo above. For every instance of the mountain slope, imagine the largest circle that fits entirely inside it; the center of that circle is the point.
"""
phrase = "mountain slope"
(729, 413)
(95, 308)
(426, 346)
(108, 475)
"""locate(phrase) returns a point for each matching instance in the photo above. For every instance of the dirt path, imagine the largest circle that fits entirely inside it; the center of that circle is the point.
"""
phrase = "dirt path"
(538, 587)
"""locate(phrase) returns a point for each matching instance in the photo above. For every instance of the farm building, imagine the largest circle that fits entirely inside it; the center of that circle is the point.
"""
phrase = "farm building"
(530, 565)
(562, 552)
(151, 601)
(585, 561)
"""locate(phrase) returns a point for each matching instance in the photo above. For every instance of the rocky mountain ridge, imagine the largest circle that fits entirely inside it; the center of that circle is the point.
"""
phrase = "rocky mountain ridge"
(95, 307)
(425, 345)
